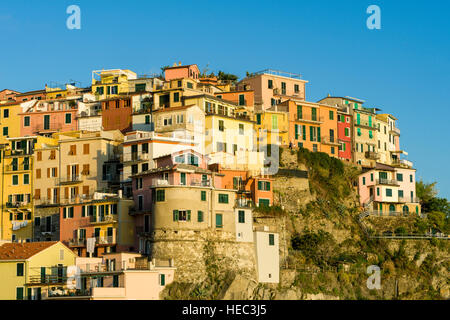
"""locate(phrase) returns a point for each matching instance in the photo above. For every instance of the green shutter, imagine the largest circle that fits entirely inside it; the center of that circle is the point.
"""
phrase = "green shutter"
(189, 215)
(271, 239)
(163, 279)
(299, 112)
(318, 134)
(311, 133)
(219, 221)
(259, 185)
(200, 216)
(19, 293)
(175, 215)
(296, 132)
(267, 186)
(203, 195)
(304, 132)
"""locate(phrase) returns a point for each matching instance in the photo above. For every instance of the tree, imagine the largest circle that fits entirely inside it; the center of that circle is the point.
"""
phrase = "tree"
(226, 76)
(425, 191)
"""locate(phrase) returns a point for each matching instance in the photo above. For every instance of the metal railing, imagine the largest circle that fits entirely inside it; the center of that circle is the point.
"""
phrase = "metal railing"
(244, 203)
(366, 124)
(19, 167)
(372, 155)
(330, 140)
(309, 117)
(102, 219)
(387, 182)
(71, 179)
(135, 156)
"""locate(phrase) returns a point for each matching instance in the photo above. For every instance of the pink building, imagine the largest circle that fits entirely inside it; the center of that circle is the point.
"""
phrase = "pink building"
(49, 116)
(388, 190)
(179, 72)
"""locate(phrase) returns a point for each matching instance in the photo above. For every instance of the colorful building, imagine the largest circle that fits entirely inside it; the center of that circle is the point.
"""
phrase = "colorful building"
(345, 134)
(30, 270)
(178, 71)
(111, 83)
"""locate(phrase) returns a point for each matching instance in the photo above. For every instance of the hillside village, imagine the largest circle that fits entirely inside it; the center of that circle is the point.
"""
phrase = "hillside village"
(187, 185)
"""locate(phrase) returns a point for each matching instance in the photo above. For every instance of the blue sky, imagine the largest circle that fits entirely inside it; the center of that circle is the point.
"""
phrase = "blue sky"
(404, 68)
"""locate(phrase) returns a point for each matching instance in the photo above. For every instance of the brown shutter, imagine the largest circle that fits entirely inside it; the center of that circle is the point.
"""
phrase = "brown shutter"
(77, 169)
(56, 172)
(48, 172)
(86, 190)
(86, 149)
(68, 172)
(38, 173)
(76, 191)
(39, 156)
(66, 193)
(37, 194)
(49, 194)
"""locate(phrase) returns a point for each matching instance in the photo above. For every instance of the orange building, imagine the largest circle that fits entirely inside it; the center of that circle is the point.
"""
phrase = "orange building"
(179, 71)
(117, 114)
(313, 126)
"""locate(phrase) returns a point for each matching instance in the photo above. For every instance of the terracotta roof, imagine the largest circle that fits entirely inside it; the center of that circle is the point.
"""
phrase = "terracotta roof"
(22, 251)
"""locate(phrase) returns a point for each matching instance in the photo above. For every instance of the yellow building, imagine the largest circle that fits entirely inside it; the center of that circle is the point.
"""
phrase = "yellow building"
(111, 83)
(276, 123)
(17, 187)
(29, 270)
(9, 120)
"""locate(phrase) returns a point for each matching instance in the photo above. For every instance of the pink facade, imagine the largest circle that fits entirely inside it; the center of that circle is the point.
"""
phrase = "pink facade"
(48, 121)
(180, 72)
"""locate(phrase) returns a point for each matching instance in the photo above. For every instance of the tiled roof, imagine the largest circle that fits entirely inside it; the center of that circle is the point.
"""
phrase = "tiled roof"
(22, 251)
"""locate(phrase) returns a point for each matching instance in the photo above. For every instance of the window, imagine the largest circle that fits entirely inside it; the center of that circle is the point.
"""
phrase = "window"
(114, 90)
(176, 97)
(85, 148)
(19, 293)
(241, 100)
(160, 195)
(241, 216)
(221, 146)
(68, 118)
(221, 125)
(411, 178)
(183, 178)
(26, 178)
(139, 87)
(6, 113)
(264, 185)
(241, 129)
(162, 279)
(400, 193)
(26, 121)
(181, 215)
(299, 112)
(20, 269)
(200, 216)
(388, 192)
(270, 84)
(223, 198)
(371, 177)
(271, 239)
(190, 85)
(219, 221)
(139, 183)
(147, 119)
(399, 177)
(15, 180)
(314, 114)
(378, 191)
(283, 88)
(203, 196)
(5, 131)
(296, 88)
(258, 118)
(37, 221)
(347, 132)
(274, 122)
(364, 181)
(331, 115)
(264, 202)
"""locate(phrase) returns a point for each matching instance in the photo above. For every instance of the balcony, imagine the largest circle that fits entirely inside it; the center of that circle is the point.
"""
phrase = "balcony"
(408, 200)
(135, 157)
(109, 240)
(309, 118)
(372, 155)
(283, 92)
(244, 203)
(14, 168)
(402, 163)
(394, 131)
(19, 205)
(77, 242)
(46, 202)
(75, 179)
(102, 219)
(19, 152)
(47, 279)
(387, 182)
(52, 127)
(366, 124)
(330, 141)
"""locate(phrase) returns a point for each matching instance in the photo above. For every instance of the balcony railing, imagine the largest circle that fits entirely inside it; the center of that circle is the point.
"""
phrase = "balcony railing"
(244, 203)
(102, 219)
(309, 118)
(372, 155)
(50, 127)
(130, 157)
(330, 140)
(71, 180)
(19, 167)
(394, 130)
(366, 124)
(408, 199)
(388, 182)
(47, 279)
(77, 242)
(19, 205)
(105, 240)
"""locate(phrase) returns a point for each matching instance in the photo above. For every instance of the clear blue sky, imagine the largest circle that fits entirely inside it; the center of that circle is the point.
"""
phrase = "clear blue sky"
(404, 68)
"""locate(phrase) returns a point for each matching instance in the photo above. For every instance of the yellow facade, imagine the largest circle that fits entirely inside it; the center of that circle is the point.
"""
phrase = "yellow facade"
(9, 121)
(17, 176)
(276, 123)
(111, 83)
(44, 262)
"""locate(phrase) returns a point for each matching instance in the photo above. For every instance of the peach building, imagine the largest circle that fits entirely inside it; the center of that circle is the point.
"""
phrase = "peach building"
(272, 87)
(179, 71)
(49, 116)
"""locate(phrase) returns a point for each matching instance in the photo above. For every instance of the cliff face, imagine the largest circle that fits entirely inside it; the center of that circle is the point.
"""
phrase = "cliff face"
(324, 250)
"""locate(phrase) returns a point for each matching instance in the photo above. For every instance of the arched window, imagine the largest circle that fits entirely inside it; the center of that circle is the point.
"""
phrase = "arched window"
(405, 209)
(391, 208)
